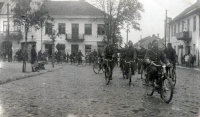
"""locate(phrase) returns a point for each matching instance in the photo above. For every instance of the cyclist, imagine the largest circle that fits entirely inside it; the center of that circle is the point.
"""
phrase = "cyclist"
(109, 52)
(158, 57)
(130, 56)
(122, 57)
(170, 54)
(140, 55)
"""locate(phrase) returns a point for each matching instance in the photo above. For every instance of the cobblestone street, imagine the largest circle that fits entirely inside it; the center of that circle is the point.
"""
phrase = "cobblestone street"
(77, 92)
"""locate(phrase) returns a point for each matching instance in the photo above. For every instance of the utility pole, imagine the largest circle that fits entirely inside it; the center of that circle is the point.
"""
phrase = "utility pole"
(8, 35)
(166, 30)
(127, 31)
(110, 22)
(41, 35)
(8, 19)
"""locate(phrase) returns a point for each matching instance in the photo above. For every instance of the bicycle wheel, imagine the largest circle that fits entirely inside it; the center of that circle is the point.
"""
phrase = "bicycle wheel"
(96, 68)
(166, 90)
(150, 88)
(173, 76)
(124, 74)
(129, 76)
(107, 75)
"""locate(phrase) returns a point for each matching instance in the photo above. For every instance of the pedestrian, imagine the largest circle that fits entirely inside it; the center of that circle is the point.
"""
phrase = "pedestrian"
(67, 57)
(33, 58)
(187, 60)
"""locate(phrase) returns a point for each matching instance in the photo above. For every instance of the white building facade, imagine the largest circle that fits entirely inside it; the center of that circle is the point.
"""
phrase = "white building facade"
(79, 25)
(185, 33)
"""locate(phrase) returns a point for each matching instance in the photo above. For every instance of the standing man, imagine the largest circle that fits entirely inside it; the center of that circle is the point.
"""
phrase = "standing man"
(79, 57)
(33, 58)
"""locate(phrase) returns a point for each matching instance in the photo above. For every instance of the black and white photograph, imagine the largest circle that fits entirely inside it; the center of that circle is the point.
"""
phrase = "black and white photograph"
(99, 58)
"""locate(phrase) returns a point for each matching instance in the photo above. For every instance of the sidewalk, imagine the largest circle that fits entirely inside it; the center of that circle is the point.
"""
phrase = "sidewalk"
(192, 68)
(13, 71)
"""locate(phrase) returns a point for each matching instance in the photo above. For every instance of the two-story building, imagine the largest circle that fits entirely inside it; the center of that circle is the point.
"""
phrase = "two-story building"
(185, 32)
(79, 24)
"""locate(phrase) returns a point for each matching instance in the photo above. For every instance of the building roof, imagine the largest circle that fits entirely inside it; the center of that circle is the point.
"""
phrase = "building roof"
(73, 8)
(190, 10)
(145, 41)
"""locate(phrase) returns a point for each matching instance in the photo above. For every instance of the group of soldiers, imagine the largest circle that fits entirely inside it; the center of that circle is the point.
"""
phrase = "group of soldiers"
(141, 57)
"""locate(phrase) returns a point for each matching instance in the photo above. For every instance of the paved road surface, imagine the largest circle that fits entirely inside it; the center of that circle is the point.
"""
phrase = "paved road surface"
(78, 92)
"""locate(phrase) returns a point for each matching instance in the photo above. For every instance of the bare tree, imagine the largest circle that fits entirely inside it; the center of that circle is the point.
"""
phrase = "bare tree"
(119, 13)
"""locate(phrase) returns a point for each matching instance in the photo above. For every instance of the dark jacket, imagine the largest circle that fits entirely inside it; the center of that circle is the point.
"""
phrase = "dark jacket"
(170, 54)
(141, 53)
(156, 55)
(130, 54)
(109, 52)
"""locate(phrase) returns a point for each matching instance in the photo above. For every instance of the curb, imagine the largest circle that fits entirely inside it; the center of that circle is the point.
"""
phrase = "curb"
(28, 76)
(196, 69)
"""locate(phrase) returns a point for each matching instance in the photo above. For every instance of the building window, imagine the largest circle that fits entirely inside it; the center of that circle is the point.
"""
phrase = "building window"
(183, 25)
(48, 28)
(194, 49)
(188, 24)
(178, 27)
(88, 29)
(75, 31)
(17, 26)
(199, 25)
(61, 28)
(100, 29)
(88, 48)
(174, 29)
(194, 23)
(5, 26)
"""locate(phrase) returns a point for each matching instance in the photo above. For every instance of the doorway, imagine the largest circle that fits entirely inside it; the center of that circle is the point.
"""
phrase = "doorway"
(75, 31)
(74, 48)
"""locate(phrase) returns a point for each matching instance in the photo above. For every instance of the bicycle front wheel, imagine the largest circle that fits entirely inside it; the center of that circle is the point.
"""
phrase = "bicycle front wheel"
(107, 75)
(173, 76)
(166, 90)
(96, 68)
(129, 76)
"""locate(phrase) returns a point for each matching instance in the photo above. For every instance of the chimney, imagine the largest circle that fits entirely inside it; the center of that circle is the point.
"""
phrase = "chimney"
(158, 35)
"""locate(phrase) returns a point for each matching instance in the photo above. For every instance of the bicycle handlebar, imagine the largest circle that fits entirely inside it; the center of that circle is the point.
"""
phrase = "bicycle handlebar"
(108, 60)
(129, 62)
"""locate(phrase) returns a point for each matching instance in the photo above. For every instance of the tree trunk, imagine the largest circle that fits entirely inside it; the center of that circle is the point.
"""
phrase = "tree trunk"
(53, 53)
(25, 51)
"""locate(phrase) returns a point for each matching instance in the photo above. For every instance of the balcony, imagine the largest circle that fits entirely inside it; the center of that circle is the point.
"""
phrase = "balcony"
(75, 38)
(184, 36)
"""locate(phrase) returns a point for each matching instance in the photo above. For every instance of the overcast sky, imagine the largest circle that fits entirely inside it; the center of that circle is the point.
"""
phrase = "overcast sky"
(153, 18)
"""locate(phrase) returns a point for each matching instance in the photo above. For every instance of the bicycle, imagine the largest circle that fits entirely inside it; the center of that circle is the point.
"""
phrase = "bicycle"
(108, 72)
(164, 84)
(128, 74)
(172, 74)
(122, 66)
(98, 66)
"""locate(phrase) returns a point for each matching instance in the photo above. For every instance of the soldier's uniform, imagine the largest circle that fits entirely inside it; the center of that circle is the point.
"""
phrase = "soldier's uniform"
(140, 54)
(108, 54)
(171, 55)
(130, 56)
(158, 57)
